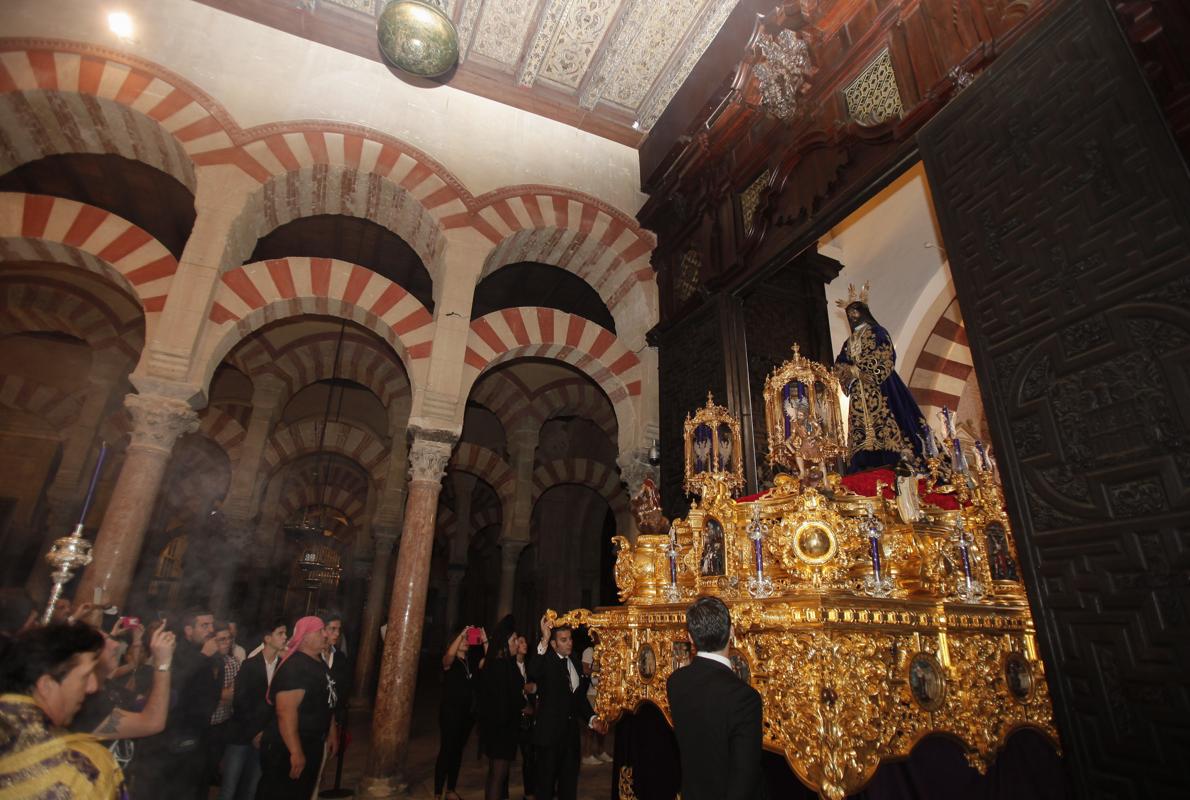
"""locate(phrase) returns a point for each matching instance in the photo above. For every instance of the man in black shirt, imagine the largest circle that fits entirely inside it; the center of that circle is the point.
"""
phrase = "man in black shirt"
(173, 763)
(303, 697)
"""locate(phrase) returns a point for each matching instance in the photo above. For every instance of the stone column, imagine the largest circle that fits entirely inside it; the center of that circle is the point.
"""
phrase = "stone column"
(514, 534)
(157, 422)
(406, 616)
(454, 596)
(510, 554)
(460, 542)
(383, 539)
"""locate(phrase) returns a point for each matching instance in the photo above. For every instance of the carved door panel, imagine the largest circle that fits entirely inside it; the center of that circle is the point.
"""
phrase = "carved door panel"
(1065, 208)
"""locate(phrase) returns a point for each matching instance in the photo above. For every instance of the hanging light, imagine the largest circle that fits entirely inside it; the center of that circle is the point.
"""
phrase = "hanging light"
(308, 532)
(417, 36)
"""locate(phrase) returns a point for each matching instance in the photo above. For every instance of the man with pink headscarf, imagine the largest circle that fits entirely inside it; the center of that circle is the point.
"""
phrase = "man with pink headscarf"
(303, 697)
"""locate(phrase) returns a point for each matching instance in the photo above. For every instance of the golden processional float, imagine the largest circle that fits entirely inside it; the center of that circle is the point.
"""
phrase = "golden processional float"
(869, 611)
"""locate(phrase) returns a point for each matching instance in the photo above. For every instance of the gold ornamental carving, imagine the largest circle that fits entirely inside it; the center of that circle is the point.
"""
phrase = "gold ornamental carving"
(863, 628)
(803, 417)
(713, 449)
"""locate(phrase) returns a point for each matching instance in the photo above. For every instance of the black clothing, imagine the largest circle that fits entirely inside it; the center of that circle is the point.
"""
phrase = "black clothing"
(501, 700)
(340, 671)
(456, 715)
(561, 715)
(300, 671)
(275, 783)
(173, 763)
(250, 710)
(717, 722)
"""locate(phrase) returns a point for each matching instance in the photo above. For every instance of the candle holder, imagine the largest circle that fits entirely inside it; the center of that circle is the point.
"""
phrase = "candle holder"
(969, 589)
(672, 595)
(66, 556)
(877, 584)
(759, 585)
(73, 552)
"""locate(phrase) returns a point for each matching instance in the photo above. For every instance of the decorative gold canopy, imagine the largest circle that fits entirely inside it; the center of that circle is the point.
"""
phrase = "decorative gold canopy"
(802, 416)
(863, 628)
(713, 449)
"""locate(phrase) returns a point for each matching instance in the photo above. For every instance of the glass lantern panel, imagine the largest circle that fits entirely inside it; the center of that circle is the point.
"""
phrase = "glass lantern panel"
(703, 448)
(726, 446)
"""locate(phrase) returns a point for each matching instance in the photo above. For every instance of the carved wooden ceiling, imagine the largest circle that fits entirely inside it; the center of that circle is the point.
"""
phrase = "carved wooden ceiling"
(607, 66)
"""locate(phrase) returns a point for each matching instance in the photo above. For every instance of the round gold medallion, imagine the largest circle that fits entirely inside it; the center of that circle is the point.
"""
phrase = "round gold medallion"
(418, 38)
(814, 543)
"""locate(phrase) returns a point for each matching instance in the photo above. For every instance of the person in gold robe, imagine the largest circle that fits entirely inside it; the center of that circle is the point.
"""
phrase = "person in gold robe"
(45, 674)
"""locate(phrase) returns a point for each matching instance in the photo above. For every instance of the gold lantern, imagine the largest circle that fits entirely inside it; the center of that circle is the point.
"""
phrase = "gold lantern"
(801, 410)
(713, 449)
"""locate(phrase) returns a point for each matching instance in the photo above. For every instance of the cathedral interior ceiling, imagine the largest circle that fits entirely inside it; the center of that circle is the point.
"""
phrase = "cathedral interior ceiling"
(608, 66)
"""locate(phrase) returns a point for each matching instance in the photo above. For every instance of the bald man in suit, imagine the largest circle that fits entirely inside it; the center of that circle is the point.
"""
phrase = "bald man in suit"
(717, 717)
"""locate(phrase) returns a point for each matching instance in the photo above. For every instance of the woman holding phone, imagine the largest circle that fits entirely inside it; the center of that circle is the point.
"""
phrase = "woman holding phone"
(461, 662)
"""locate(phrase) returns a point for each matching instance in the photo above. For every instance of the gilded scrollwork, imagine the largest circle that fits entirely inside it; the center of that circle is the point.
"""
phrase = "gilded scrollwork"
(850, 678)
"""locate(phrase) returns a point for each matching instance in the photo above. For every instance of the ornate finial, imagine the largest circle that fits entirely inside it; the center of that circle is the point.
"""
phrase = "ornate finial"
(852, 296)
(710, 400)
(797, 351)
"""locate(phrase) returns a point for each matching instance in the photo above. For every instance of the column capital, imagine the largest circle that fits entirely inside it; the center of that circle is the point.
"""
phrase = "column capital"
(429, 454)
(158, 421)
(510, 551)
(385, 536)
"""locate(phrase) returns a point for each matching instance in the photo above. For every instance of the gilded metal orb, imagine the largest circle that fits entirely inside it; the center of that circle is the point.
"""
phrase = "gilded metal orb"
(418, 38)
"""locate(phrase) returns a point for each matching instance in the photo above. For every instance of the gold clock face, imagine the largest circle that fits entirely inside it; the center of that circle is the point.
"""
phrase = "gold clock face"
(417, 38)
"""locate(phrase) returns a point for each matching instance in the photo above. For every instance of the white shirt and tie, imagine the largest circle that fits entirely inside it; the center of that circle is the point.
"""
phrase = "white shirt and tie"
(542, 646)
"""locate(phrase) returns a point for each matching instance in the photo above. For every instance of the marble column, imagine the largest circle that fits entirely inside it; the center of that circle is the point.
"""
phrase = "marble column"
(157, 422)
(510, 555)
(383, 539)
(428, 457)
(454, 596)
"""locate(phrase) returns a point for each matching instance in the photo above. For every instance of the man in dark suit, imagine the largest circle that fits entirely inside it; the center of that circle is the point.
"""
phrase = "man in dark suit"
(250, 713)
(717, 717)
(562, 711)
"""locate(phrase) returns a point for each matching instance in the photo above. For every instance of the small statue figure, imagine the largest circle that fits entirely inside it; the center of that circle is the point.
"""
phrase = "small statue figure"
(882, 419)
(646, 510)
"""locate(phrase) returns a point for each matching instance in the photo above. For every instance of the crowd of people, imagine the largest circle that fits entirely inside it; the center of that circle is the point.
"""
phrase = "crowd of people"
(533, 704)
(170, 709)
(95, 708)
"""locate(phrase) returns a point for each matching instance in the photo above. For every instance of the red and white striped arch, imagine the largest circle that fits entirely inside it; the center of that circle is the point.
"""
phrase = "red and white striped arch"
(346, 500)
(30, 304)
(567, 229)
(487, 466)
(447, 522)
(603, 478)
(58, 408)
(253, 295)
(293, 441)
(511, 404)
(223, 429)
(52, 92)
(305, 362)
(944, 366)
(547, 333)
(36, 227)
(310, 168)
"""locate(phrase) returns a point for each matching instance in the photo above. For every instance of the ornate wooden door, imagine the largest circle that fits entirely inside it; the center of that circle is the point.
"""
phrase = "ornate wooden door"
(1065, 209)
